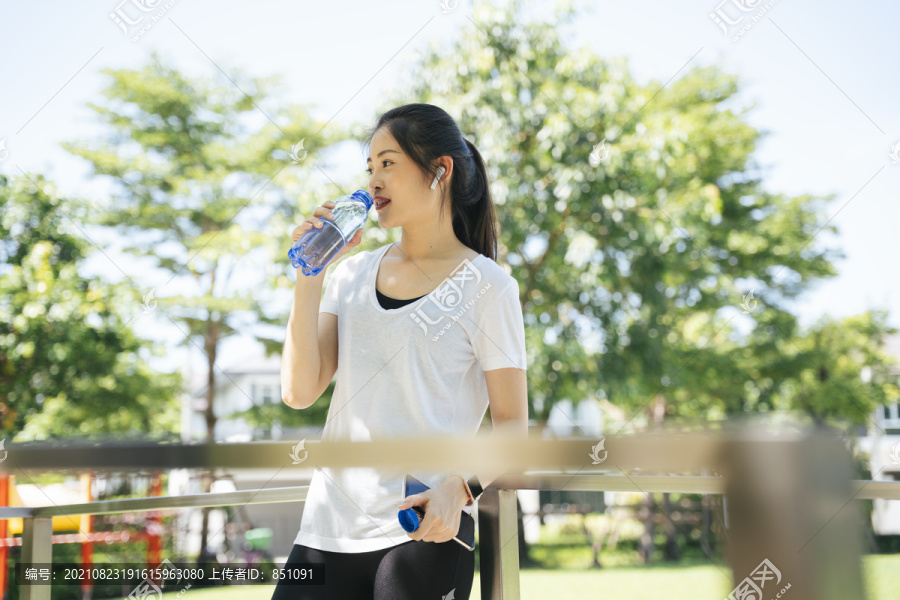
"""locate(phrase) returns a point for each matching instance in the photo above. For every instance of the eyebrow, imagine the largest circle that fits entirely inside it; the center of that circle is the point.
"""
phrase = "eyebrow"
(368, 160)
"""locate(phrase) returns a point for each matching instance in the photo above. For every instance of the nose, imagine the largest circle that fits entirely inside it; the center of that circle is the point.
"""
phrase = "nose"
(374, 185)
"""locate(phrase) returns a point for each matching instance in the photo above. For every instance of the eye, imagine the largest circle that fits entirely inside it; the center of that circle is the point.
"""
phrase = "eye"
(384, 162)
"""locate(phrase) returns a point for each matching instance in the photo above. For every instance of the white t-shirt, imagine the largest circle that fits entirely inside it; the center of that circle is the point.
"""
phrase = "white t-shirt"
(413, 371)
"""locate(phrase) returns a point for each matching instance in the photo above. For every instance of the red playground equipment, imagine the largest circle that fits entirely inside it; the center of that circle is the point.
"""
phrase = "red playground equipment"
(82, 525)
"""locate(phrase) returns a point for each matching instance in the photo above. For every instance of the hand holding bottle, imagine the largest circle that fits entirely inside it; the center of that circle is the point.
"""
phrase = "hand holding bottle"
(332, 230)
(320, 213)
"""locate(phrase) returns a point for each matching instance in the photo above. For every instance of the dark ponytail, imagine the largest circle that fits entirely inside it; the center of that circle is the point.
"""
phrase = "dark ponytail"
(426, 132)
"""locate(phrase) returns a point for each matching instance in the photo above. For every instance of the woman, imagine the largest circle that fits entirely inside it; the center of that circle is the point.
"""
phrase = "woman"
(428, 333)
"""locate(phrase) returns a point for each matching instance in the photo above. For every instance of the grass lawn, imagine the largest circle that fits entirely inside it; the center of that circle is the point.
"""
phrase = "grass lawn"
(699, 582)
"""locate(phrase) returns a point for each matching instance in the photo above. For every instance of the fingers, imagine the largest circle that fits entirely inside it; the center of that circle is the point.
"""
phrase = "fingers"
(435, 533)
(351, 243)
(357, 237)
(319, 214)
(422, 532)
(307, 224)
(429, 531)
(316, 220)
(300, 230)
(432, 529)
(323, 211)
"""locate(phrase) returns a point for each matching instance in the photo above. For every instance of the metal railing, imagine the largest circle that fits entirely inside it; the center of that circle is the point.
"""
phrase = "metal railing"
(797, 476)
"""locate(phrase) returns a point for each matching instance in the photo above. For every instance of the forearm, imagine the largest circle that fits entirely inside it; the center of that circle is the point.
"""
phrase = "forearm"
(513, 428)
(301, 360)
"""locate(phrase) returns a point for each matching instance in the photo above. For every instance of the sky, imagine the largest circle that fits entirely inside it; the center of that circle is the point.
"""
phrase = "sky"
(823, 80)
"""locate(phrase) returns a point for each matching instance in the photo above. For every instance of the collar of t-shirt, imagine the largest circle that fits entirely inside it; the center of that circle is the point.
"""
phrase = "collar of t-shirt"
(388, 303)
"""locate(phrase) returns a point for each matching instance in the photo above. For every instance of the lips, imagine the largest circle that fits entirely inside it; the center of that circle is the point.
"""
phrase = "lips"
(381, 202)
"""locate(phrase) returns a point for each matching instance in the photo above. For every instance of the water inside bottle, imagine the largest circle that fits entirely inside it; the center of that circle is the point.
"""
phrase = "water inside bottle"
(318, 246)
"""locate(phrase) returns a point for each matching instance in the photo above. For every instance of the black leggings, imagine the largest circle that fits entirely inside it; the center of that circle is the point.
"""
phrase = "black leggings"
(411, 571)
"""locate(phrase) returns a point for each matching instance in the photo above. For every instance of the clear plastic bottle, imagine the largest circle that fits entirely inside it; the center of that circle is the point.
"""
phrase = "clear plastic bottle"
(315, 248)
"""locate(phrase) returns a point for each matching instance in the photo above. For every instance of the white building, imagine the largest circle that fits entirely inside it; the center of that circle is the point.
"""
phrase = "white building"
(254, 380)
(883, 445)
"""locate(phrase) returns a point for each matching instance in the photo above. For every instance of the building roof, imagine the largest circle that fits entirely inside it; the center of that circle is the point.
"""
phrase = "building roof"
(256, 364)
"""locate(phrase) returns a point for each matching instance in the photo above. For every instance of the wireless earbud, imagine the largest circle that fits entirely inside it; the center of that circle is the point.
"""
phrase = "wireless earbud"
(440, 172)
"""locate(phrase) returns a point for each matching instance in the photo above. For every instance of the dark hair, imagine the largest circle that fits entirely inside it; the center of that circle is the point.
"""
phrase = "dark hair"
(426, 132)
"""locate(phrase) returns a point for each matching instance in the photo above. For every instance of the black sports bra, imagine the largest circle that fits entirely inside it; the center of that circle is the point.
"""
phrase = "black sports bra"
(388, 303)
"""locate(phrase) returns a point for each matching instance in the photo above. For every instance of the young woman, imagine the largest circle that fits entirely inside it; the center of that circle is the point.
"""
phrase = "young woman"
(428, 333)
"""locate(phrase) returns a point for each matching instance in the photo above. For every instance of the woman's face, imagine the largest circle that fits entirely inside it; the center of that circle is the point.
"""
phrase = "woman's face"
(394, 177)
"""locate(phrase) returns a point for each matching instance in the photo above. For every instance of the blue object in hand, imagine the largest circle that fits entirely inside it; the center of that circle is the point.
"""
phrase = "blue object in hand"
(315, 248)
(410, 518)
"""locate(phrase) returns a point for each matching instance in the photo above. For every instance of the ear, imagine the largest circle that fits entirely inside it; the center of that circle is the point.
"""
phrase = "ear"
(447, 163)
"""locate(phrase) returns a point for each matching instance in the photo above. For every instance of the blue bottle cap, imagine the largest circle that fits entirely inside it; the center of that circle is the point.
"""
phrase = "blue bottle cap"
(409, 520)
(364, 196)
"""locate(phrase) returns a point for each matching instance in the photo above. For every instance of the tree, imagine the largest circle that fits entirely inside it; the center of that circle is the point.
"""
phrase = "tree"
(186, 158)
(69, 364)
(636, 221)
(827, 364)
(632, 270)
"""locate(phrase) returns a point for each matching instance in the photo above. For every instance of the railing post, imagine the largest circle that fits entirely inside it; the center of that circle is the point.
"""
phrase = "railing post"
(793, 525)
(498, 543)
(37, 547)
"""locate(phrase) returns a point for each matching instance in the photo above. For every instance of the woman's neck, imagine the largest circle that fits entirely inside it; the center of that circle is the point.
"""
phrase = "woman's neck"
(428, 246)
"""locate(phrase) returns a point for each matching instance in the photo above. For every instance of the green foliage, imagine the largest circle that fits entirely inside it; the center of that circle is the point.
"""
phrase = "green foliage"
(204, 168)
(69, 364)
(632, 272)
(826, 364)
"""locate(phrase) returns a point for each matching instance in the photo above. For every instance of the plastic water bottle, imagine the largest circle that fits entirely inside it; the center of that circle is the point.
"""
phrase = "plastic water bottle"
(315, 248)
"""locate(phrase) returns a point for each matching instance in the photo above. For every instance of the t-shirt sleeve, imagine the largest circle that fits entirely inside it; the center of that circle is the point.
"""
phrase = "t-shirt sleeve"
(329, 302)
(500, 339)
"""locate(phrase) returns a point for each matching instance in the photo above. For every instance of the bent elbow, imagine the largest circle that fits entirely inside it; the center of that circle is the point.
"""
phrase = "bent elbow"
(296, 402)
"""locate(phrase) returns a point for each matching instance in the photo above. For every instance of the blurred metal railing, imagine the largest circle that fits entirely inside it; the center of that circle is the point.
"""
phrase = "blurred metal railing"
(781, 488)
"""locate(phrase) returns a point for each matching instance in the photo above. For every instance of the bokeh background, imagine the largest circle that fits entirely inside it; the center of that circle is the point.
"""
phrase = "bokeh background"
(700, 209)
